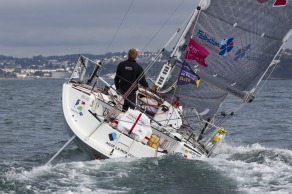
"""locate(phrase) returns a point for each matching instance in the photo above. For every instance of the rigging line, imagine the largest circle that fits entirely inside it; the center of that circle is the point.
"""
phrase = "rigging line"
(172, 99)
(269, 74)
(235, 109)
(230, 112)
(166, 21)
(156, 58)
(129, 90)
(171, 105)
(133, 85)
(196, 22)
(124, 79)
(189, 23)
(132, 2)
(186, 120)
(222, 120)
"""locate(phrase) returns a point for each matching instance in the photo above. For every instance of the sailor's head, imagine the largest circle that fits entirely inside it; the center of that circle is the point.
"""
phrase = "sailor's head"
(133, 53)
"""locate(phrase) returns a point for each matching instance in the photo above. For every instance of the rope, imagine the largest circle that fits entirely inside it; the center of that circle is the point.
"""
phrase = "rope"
(166, 21)
(269, 74)
(223, 119)
(115, 108)
(218, 122)
(132, 2)
(197, 18)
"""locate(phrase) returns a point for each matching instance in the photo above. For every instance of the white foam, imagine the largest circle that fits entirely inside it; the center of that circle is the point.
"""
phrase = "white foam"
(269, 174)
(77, 177)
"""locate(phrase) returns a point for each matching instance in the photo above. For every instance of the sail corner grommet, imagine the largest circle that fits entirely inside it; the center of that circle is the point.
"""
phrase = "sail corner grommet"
(204, 4)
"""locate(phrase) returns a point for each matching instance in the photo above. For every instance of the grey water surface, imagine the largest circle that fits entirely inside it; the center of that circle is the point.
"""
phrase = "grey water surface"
(255, 157)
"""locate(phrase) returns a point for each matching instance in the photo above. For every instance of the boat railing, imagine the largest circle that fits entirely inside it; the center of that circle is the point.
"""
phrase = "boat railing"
(86, 71)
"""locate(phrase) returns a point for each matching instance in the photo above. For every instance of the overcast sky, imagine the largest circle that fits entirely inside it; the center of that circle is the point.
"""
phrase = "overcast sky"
(58, 27)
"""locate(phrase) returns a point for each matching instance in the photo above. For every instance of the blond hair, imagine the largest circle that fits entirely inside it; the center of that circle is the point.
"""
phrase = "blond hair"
(133, 53)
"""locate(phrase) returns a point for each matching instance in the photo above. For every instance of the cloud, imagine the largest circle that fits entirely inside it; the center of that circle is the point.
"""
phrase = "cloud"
(57, 27)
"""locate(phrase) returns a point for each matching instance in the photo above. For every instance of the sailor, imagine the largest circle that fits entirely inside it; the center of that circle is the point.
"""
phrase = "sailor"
(127, 73)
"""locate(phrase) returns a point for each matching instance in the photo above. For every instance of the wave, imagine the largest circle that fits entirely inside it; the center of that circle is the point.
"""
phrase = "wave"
(255, 168)
(169, 174)
(242, 169)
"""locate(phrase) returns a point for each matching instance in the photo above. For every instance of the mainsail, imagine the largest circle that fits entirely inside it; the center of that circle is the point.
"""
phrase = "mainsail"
(241, 37)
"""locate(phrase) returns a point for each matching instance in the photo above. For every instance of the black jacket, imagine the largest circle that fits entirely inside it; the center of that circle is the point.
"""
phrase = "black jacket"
(127, 73)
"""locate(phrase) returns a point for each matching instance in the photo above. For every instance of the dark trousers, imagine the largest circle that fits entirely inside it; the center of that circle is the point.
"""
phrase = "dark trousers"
(127, 102)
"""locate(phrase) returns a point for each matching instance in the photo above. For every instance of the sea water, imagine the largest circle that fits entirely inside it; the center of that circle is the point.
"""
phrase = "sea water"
(255, 156)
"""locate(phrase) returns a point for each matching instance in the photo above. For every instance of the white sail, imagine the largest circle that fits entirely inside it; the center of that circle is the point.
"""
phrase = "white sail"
(241, 39)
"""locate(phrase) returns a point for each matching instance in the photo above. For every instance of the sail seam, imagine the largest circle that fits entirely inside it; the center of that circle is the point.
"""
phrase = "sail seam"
(252, 32)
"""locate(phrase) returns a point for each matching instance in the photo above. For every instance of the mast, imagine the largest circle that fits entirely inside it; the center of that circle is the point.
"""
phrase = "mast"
(194, 15)
(166, 69)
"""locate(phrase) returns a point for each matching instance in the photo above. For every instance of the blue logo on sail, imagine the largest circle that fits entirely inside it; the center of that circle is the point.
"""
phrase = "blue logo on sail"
(241, 52)
(206, 37)
(245, 53)
(226, 46)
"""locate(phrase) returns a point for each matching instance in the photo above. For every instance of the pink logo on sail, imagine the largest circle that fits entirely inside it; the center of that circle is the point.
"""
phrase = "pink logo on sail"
(196, 52)
(279, 3)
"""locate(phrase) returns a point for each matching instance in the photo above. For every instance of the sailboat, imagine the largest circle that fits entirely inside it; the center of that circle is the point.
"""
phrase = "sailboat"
(225, 48)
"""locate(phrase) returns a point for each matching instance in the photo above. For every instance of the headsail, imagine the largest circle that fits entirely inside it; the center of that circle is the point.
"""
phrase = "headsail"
(241, 37)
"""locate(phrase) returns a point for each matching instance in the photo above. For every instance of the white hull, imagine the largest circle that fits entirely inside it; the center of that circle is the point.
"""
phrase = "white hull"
(84, 112)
